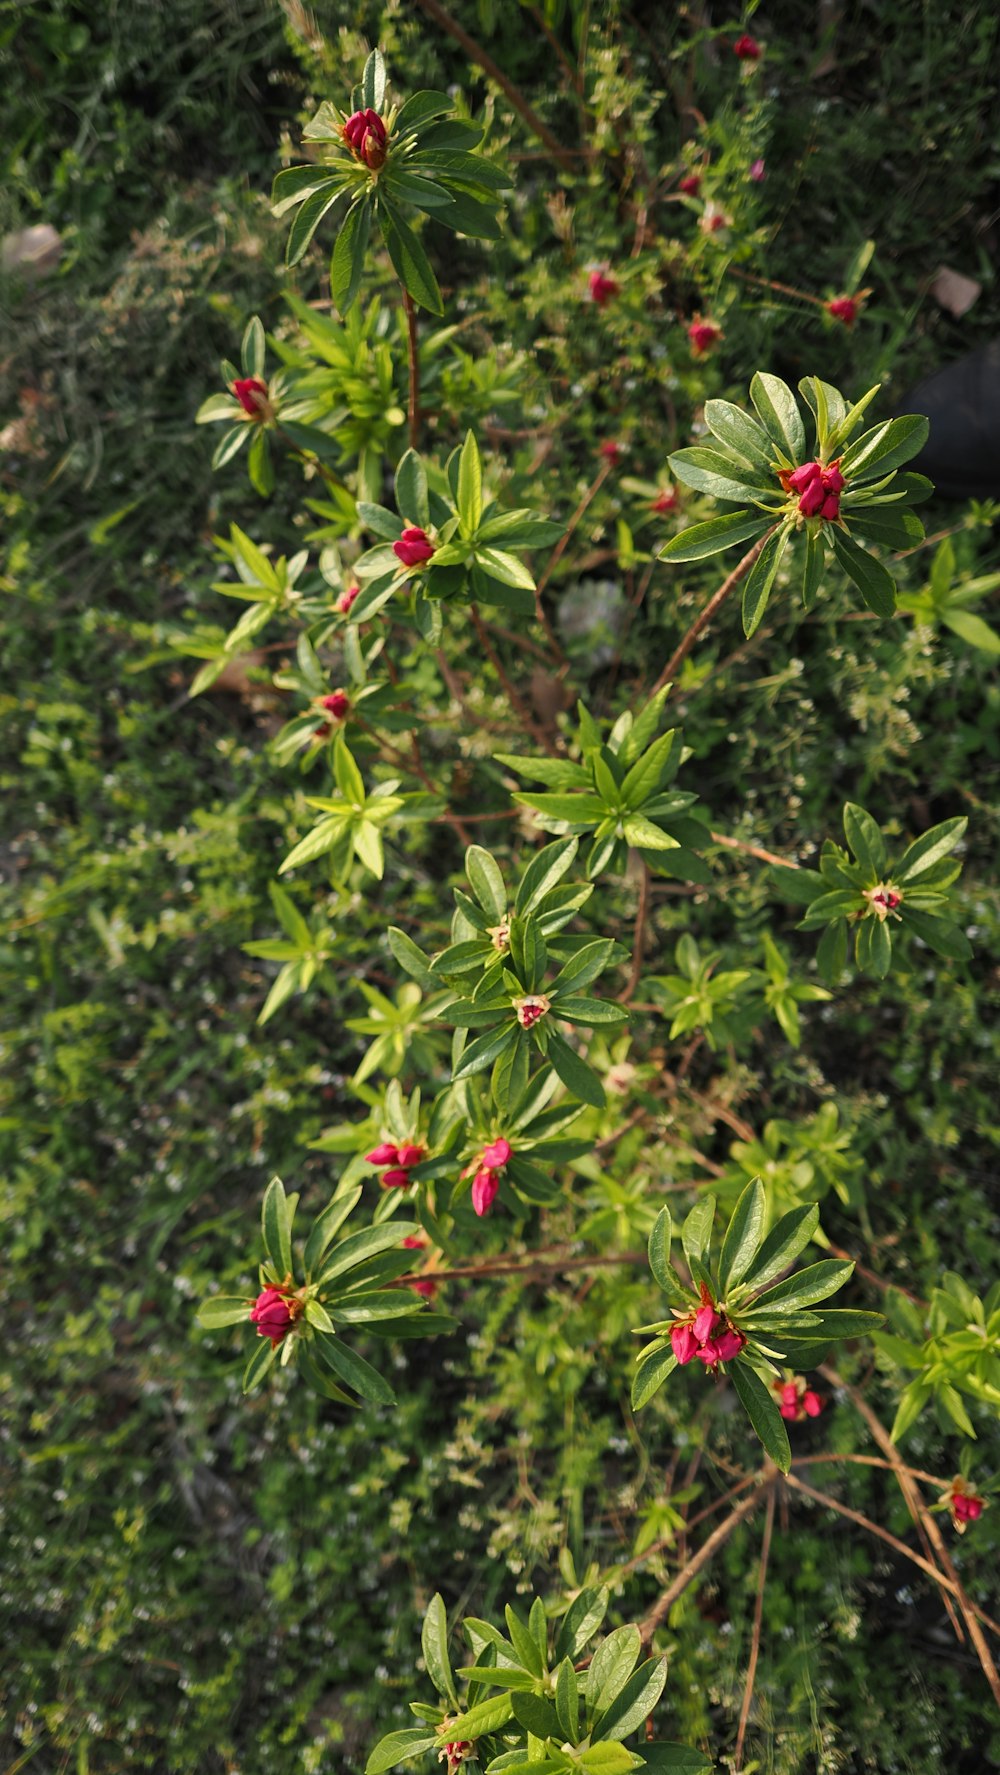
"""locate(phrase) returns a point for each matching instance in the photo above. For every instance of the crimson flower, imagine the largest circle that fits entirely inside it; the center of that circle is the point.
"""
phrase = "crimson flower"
(703, 334)
(365, 134)
(484, 1190)
(414, 547)
(690, 184)
(272, 1315)
(747, 48)
(251, 393)
(819, 489)
(667, 501)
(844, 308)
(603, 287)
(338, 704)
(347, 598)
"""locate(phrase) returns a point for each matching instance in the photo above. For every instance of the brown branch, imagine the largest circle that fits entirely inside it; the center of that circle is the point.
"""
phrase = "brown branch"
(946, 1583)
(758, 1614)
(701, 622)
(478, 54)
(927, 1526)
(413, 360)
(753, 850)
(832, 1459)
(515, 698)
(513, 1267)
(719, 1536)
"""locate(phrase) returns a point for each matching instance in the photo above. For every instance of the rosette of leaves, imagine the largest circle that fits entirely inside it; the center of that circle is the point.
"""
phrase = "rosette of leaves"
(244, 427)
(744, 464)
(503, 974)
(620, 791)
(430, 164)
(775, 1317)
(799, 1162)
(270, 588)
(476, 543)
(955, 1350)
(536, 1129)
(863, 892)
(523, 1703)
(355, 821)
(344, 1284)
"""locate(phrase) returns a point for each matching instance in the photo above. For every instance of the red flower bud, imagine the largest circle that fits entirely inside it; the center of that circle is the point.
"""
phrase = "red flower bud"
(338, 703)
(812, 1404)
(386, 1154)
(758, 171)
(397, 1178)
(667, 501)
(844, 308)
(690, 184)
(410, 1155)
(365, 134)
(611, 451)
(967, 1507)
(602, 287)
(347, 598)
(252, 395)
(414, 547)
(747, 48)
(729, 1343)
(819, 489)
(484, 1189)
(805, 476)
(684, 1342)
(705, 1321)
(272, 1315)
(833, 480)
(495, 1157)
(703, 334)
(709, 1354)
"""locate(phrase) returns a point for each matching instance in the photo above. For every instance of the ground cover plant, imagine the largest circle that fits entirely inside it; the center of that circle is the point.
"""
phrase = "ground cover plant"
(475, 909)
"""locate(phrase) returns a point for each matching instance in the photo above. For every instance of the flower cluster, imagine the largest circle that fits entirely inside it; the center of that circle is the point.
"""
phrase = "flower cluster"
(796, 1401)
(273, 1314)
(486, 1181)
(530, 1007)
(819, 488)
(399, 1159)
(414, 547)
(365, 135)
(337, 707)
(707, 1335)
(883, 899)
(456, 1753)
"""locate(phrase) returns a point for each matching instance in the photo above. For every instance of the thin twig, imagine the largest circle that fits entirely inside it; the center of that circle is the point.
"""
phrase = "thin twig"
(560, 548)
(515, 698)
(413, 359)
(753, 850)
(758, 1615)
(831, 1459)
(512, 1267)
(638, 936)
(739, 572)
(477, 53)
(718, 1538)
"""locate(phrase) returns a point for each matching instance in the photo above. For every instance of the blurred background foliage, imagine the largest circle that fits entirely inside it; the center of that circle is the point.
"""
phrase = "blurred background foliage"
(191, 1582)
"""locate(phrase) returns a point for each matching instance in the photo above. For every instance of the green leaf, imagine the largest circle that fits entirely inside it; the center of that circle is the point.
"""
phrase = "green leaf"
(831, 954)
(740, 434)
(327, 1225)
(568, 1701)
(487, 1717)
(663, 1758)
(485, 1050)
(606, 1759)
(757, 586)
(276, 1227)
(874, 582)
(701, 540)
(873, 948)
(348, 262)
(410, 262)
(584, 967)
(353, 1369)
(322, 838)
(581, 1621)
(434, 1641)
(939, 934)
(535, 1714)
(743, 1236)
(885, 447)
(470, 485)
(419, 108)
(762, 1410)
(787, 1238)
(544, 872)
(574, 1071)
(710, 472)
(399, 1747)
(259, 1364)
(971, 628)
(358, 1247)
(634, 1702)
(650, 1376)
(816, 1282)
(411, 959)
(523, 1642)
(927, 850)
(411, 489)
(780, 415)
(253, 349)
(308, 218)
(260, 468)
(373, 81)
(866, 842)
(659, 1251)
(223, 1309)
(486, 882)
(497, 564)
(696, 1232)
